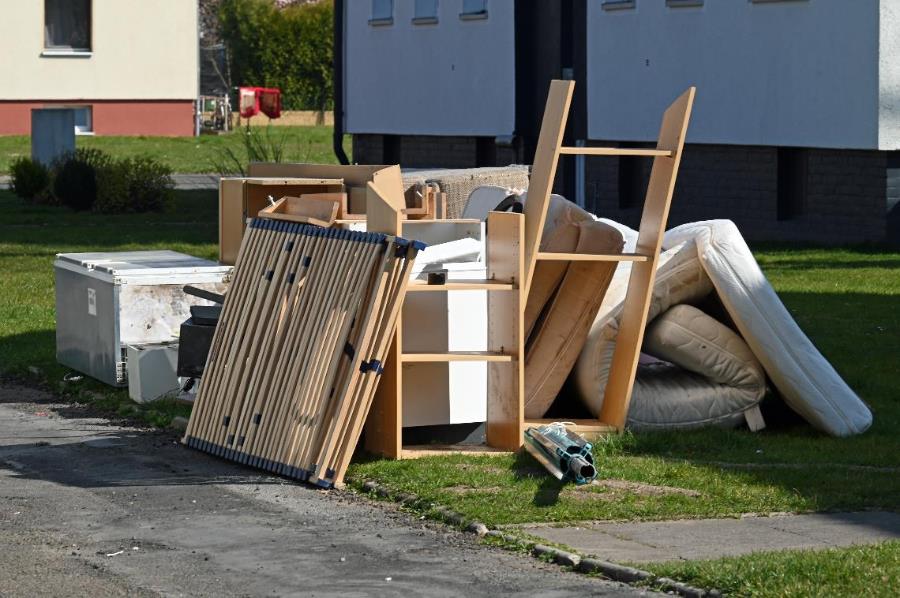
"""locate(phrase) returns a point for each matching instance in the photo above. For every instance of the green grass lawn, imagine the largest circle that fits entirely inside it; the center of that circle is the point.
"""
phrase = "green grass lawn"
(30, 238)
(847, 300)
(190, 154)
(860, 570)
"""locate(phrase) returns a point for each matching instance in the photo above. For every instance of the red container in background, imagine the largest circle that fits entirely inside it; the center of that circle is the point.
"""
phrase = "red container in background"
(253, 100)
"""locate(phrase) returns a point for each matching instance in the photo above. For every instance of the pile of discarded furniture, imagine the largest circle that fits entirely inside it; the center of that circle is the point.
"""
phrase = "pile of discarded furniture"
(339, 324)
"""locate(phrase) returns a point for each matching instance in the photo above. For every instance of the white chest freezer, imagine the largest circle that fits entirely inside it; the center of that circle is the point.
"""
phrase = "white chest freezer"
(107, 301)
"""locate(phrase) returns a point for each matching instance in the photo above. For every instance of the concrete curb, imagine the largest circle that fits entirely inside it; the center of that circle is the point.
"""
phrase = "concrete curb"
(572, 560)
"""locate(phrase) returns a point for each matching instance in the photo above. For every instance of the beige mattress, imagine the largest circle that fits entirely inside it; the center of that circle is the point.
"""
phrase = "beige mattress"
(558, 319)
(701, 258)
(704, 374)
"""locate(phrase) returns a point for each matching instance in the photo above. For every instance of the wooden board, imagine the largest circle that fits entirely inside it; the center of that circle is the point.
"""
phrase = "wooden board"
(546, 157)
(633, 321)
(303, 209)
(505, 397)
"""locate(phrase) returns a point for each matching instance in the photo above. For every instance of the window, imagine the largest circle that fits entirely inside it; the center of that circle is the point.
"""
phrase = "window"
(617, 4)
(792, 178)
(67, 25)
(474, 9)
(83, 120)
(382, 12)
(683, 3)
(426, 12)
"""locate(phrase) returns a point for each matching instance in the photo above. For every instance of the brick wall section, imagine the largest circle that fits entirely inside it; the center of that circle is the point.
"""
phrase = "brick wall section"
(851, 196)
(844, 203)
(893, 197)
(846, 198)
(425, 151)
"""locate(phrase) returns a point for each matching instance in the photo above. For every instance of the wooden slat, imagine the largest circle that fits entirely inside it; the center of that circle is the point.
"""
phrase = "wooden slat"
(614, 151)
(633, 322)
(576, 425)
(546, 157)
(448, 356)
(587, 257)
(442, 450)
(461, 285)
(384, 425)
(506, 331)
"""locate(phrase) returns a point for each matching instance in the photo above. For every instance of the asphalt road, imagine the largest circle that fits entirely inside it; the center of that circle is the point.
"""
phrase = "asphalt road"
(91, 508)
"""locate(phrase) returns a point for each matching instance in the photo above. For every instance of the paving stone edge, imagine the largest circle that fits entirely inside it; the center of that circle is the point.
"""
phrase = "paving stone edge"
(576, 562)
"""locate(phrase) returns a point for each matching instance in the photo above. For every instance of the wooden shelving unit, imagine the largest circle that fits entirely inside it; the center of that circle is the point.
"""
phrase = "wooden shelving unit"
(511, 256)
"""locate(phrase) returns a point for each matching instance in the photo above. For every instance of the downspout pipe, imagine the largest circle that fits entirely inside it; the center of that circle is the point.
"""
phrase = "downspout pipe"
(337, 140)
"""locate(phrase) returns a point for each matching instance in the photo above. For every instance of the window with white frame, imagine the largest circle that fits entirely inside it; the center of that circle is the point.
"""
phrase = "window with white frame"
(67, 25)
(382, 11)
(84, 124)
(474, 8)
(426, 11)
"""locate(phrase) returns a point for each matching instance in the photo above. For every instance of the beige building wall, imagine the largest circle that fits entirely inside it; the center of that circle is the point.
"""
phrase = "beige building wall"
(141, 49)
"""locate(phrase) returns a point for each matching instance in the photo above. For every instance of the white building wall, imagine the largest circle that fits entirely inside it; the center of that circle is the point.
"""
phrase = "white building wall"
(889, 75)
(793, 73)
(141, 49)
(455, 77)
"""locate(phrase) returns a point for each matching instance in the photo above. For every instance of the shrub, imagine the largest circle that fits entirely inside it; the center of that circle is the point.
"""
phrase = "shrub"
(30, 179)
(75, 183)
(133, 185)
(112, 188)
(289, 48)
(150, 185)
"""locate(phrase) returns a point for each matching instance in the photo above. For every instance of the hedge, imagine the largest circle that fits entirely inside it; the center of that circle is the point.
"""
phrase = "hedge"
(289, 48)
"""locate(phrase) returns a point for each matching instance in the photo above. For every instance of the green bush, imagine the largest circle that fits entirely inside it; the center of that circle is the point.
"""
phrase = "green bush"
(112, 188)
(134, 185)
(75, 181)
(30, 179)
(289, 48)
(150, 185)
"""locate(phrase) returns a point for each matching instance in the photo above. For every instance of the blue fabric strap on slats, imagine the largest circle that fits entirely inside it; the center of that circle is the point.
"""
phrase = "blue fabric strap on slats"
(371, 366)
(306, 261)
(257, 418)
(349, 351)
(291, 277)
(289, 246)
(226, 420)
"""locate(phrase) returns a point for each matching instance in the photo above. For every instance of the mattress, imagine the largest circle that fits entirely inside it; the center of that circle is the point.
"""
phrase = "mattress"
(802, 375)
(704, 374)
(680, 278)
(699, 258)
(559, 329)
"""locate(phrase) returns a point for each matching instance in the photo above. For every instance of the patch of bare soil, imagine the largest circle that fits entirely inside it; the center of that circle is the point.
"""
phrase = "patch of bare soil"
(612, 489)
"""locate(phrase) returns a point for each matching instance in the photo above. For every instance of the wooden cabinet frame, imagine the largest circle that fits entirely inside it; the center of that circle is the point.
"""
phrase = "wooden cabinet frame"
(512, 253)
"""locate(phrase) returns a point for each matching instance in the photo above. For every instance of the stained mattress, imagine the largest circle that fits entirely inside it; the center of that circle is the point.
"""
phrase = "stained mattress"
(700, 258)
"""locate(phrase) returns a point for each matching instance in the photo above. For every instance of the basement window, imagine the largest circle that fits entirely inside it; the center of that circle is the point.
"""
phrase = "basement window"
(792, 179)
(84, 120)
(382, 12)
(67, 26)
(426, 12)
(473, 10)
(617, 4)
(683, 3)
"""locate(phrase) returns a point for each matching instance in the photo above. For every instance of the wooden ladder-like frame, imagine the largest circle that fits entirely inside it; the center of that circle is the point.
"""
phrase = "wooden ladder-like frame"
(513, 251)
